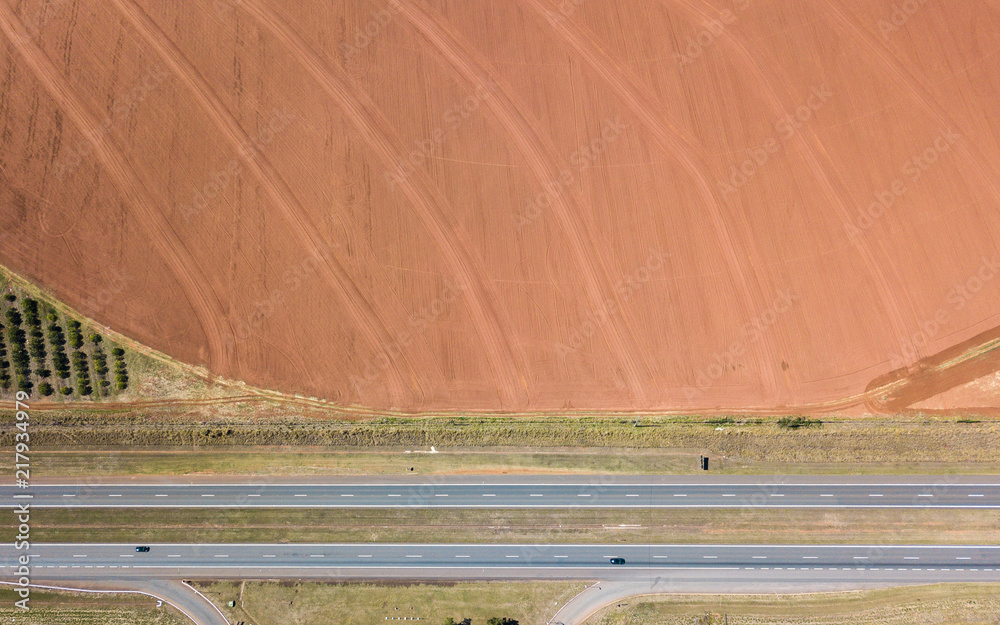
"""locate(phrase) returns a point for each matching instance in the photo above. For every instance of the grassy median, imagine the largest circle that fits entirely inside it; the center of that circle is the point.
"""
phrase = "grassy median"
(900, 526)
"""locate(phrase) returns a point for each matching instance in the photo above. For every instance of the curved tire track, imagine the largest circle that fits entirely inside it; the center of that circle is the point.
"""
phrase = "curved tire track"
(813, 153)
(148, 212)
(426, 201)
(681, 147)
(907, 80)
(365, 315)
(541, 156)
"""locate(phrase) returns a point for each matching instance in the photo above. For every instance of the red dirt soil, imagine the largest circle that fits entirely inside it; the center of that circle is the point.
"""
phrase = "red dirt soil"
(519, 205)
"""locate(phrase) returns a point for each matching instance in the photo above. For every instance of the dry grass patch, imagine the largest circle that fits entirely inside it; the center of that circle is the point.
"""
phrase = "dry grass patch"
(263, 603)
(954, 604)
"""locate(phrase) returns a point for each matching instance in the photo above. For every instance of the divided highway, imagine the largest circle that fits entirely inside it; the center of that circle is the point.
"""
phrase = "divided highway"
(523, 493)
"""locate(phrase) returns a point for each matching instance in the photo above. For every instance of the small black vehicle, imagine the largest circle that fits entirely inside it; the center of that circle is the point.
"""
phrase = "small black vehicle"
(142, 549)
(617, 560)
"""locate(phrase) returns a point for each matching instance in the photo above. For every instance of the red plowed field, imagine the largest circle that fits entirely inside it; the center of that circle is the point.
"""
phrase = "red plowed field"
(520, 204)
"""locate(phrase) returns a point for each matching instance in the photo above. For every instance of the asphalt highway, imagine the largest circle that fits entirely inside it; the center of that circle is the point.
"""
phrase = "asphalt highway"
(720, 492)
(110, 562)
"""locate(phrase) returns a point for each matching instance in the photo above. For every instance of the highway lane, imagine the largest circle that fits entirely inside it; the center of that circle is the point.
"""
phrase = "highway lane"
(595, 492)
(810, 563)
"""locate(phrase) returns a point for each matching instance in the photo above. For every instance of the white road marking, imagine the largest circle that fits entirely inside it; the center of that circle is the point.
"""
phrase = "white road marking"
(874, 494)
(69, 495)
(463, 556)
(925, 495)
(160, 495)
(679, 495)
(114, 495)
(760, 557)
(911, 558)
(414, 556)
(346, 495)
(221, 555)
(364, 556)
(489, 495)
(208, 495)
(975, 495)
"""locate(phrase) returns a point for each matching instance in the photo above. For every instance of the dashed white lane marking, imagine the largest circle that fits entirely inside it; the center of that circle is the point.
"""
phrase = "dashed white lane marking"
(679, 495)
(535, 495)
(79, 556)
(463, 556)
(560, 556)
(659, 557)
(269, 555)
(395, 495)
(253, 495)
(874, 494)
(810, 557)
(583, 495)
(710, 557)
(826, 495)
(860, 557)
(440, 495)
(925, 495)
(301, 495)
(512, 556)
(174, 556)
(364, 556)
(975, 495)
(346, 495)
(729, 495)
(160, 495)
(777, 495)
(208, 495)
(911, 557)
(124, 555)
(114, 495)
(489, 495)
(316, 555)
(414, 556)
(69, 495)
(760, 557)
(631, 495)
(959, 558)
(222, 555)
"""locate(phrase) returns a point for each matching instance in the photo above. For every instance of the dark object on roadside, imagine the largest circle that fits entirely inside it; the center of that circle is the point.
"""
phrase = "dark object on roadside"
(617, 560)
(704, 463)
(142, 549)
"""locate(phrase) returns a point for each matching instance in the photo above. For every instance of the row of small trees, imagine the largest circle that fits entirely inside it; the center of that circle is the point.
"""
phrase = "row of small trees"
(496, 620)
(27, 346)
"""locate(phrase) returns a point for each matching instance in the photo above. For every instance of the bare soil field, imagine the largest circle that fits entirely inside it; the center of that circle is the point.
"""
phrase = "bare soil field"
(520, 206)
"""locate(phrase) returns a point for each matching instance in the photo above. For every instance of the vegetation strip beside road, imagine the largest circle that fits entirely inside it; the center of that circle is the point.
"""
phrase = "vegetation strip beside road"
(955, 604)
(775, 526)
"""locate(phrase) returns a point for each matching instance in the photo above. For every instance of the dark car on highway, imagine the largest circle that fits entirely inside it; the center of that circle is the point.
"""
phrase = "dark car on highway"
(142, 549)
(617, 560)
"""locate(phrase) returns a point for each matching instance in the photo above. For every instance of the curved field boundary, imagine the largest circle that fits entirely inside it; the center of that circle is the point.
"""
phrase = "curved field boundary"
(813, 152)
(147, 210)
(541, 156)
(427, 202)
(364, 314)
(681, 147)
